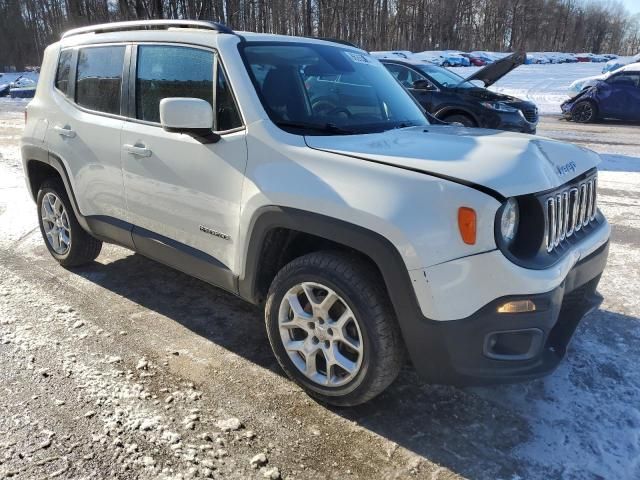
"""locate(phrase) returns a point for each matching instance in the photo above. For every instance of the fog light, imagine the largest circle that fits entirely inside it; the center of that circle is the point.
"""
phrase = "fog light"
(517, 306)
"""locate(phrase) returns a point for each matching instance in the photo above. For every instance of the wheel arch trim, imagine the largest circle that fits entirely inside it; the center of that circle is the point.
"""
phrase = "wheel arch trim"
(456, 109)
(32, 153)
(376, 247)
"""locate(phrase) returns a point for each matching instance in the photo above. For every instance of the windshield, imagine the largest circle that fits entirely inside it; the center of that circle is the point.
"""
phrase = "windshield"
(328, 90)
(445, 78)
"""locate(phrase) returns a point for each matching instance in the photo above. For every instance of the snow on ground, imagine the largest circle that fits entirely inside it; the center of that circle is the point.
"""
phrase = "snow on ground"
(545, 85)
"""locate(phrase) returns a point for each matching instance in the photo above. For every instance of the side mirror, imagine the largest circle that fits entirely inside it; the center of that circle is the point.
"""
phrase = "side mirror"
(191, 116)
(422, 84)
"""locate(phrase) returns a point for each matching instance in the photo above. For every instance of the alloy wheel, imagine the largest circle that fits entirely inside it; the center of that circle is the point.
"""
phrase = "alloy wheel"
(55, 222)
(320, 334)
(583, 112)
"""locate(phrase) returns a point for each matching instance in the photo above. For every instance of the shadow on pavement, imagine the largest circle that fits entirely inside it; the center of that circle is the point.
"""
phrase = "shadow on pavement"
(477, 433)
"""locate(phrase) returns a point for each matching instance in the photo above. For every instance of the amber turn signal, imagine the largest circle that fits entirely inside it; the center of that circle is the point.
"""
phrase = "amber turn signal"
(517, 306)
(467, 225)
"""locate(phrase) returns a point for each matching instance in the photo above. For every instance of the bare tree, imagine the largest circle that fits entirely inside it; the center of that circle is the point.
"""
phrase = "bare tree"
(27, 26)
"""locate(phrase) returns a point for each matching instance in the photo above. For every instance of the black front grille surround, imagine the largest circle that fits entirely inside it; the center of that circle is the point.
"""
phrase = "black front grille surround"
(544, 234)
(530, 114)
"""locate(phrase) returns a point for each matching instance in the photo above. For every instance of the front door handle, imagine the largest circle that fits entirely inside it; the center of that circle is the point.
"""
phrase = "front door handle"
(65, 131)
(137, 150)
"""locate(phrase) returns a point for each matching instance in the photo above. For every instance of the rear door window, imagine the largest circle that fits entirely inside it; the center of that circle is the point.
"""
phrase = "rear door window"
(168, 71)
(99, 78)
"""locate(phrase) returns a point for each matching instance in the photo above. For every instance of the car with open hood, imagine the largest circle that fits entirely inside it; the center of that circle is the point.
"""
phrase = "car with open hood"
(615, 96)
(299, 175)
(452, 98)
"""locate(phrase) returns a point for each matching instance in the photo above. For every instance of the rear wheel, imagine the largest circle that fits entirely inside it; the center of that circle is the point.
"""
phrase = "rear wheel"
(460, 120)
(65, 239)
(584, 111)
(332, 328)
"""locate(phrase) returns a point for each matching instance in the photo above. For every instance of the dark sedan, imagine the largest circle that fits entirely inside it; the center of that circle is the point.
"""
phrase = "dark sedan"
(617, 97)
(454, 99)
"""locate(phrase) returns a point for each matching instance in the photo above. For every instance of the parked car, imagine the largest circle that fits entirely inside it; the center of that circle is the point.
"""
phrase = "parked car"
(616, 97)
(537, 58)
(452, 98)
(4, 87)
(392, 54)
(460, 56)
(569, 58)
(583, 83)
(618, 62)
(441, 58)
(476, 61)
(22, 87)
(362, 230)
(584, 57)
(434, 58)
(485, 56)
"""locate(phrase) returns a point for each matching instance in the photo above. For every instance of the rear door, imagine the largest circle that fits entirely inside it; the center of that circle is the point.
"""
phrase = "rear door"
(85, 126)
(183, 197)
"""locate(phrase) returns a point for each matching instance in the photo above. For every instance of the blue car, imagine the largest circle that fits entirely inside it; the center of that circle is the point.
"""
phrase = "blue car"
(617, 97)
(616, 63)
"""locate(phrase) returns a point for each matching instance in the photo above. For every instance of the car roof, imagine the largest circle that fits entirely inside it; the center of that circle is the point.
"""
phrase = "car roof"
(632, 67)
(408, 61)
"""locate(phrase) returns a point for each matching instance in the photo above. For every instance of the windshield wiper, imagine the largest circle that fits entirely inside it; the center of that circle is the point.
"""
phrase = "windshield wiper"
(326, 128)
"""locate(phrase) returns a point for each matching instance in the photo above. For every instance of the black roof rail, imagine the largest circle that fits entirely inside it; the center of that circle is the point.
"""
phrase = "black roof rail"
(149, 25)
(336, 40)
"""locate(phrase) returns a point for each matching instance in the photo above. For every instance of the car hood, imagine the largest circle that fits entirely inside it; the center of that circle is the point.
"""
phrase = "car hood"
(508, 163)
(498, 69)
(488, 95)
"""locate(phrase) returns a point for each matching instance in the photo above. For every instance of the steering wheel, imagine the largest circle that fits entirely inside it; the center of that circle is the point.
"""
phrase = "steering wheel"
(325, 107)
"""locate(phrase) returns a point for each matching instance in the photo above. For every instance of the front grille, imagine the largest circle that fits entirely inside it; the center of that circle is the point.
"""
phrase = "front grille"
(531, 114)
(568, 211)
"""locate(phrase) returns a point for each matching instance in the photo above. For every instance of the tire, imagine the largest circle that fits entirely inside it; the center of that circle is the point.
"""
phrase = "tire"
(370, 324)
(584, 111)
(446, 64)
(80, 247)
(461, 119)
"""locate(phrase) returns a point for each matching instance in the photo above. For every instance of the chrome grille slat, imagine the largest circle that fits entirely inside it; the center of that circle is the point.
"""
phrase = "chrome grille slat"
(569, 211)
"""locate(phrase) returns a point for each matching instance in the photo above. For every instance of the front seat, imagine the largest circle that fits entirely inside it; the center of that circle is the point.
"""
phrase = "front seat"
(282, 92)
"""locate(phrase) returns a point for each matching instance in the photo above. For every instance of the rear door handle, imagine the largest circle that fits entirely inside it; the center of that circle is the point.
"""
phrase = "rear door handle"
(137, 150)
(65, 131)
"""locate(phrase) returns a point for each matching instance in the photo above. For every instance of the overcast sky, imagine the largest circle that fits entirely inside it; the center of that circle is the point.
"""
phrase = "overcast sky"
(632, 5)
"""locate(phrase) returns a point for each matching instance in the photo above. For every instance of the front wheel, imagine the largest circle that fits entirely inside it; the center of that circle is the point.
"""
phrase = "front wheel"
(332, 328)
(584, 112)
(67, 242)
(460, 120)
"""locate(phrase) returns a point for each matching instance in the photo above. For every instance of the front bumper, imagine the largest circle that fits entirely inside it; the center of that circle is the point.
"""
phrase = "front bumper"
(490, 347)
(508, 121)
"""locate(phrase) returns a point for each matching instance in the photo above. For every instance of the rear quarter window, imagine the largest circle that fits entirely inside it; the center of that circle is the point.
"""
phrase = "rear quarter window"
(99, 78)
(63, 72)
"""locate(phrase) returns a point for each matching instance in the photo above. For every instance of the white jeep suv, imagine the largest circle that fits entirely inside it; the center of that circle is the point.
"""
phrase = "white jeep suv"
(299, 175)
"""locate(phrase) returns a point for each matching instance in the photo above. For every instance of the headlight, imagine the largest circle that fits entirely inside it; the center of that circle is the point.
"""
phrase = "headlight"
(509, 218)
(500, 107)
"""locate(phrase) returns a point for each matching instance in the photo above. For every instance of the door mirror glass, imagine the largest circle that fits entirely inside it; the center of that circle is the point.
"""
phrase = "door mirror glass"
(423, 84)
(192, 116)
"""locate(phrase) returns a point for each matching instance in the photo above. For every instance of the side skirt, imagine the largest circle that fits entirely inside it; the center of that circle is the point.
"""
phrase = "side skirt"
(167, 251)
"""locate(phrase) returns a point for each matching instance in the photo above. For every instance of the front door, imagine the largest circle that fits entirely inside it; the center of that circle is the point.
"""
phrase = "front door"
(183, 196)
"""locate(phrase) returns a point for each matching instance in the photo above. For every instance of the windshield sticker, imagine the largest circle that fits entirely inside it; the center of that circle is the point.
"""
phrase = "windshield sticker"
(361, 58)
